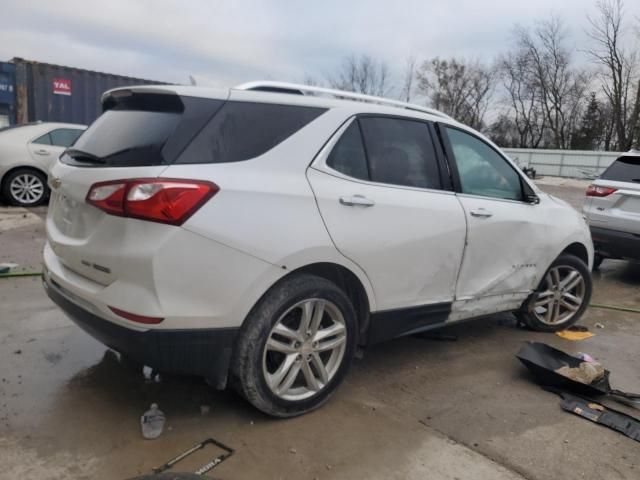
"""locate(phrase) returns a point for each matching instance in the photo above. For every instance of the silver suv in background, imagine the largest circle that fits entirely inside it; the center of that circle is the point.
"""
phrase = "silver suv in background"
(612, 209)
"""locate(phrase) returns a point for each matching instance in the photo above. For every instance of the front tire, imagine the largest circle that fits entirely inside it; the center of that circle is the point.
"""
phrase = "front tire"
(296, 346)
(561, 298)
(25, 187)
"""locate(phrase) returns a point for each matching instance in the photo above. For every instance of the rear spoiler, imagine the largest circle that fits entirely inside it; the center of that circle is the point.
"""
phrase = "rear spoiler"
(178, 90)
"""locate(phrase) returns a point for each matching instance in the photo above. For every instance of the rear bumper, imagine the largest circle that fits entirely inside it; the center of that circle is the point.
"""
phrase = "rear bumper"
(615, 244)
(202, 352)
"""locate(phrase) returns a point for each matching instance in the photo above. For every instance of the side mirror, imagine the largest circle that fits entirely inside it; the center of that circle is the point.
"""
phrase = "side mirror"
(532, 198)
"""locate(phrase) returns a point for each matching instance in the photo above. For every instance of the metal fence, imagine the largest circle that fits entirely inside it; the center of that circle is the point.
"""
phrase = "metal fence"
(563, 163)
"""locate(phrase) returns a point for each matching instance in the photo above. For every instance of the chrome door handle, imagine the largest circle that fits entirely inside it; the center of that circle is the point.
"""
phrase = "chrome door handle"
(357, 201)
(481, 213)
(43, 152)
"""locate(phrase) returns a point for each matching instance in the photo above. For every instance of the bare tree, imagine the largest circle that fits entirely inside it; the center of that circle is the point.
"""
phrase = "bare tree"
(362, 74)
(311, 81)
(561, 86)
(458, 88)
(621, 84)
(504, 132)
(408, 78)
(523, 98)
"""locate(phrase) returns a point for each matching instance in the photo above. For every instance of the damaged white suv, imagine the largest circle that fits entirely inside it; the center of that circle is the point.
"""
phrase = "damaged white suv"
(260, 235)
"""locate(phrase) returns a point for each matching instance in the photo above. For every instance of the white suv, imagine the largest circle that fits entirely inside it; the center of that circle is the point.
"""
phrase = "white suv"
(262, 234)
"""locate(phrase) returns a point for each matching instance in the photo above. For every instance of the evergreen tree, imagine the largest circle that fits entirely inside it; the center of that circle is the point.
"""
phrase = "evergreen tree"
(589, 135)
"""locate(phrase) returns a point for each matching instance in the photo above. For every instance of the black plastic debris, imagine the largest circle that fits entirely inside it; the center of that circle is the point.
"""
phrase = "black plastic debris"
(597, 413)
(544, 361)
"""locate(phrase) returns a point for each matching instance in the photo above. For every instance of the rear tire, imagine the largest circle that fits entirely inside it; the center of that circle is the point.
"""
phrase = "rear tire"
(25, 187)
(295, 347)
(561, 298)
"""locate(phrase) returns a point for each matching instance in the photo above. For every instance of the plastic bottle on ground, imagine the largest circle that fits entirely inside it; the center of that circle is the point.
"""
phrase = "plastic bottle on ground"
(152, 422)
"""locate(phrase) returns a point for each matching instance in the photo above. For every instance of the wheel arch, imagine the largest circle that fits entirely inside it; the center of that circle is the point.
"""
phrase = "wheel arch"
(345, 279)
(350, 284)
(577, 249)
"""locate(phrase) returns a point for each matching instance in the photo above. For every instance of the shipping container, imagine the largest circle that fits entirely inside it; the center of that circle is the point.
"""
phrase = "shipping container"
(54, 93)
(7, 94)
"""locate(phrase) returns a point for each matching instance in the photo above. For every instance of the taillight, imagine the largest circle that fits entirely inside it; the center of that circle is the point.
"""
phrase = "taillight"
(163, 200)
(599, 191)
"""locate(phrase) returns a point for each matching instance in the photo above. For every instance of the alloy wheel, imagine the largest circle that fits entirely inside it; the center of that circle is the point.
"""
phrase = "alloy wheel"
(563, 295)
(305, 349)
(27, 188)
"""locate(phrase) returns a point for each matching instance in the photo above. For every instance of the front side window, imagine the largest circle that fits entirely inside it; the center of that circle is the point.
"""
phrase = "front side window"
(64, 137)
(481, 169)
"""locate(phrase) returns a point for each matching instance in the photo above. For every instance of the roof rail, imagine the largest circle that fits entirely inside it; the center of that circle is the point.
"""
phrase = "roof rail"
(299, 89)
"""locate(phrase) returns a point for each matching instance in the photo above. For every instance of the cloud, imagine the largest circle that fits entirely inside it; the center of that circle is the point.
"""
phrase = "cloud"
(222, 43)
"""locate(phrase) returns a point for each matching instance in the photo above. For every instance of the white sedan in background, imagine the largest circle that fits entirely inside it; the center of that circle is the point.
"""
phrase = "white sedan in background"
(26, 153)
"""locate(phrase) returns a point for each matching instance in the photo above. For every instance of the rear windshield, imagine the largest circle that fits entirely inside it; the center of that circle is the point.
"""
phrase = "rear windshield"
(141, 130)
(624, 169)
(152, 129)
(117, 135)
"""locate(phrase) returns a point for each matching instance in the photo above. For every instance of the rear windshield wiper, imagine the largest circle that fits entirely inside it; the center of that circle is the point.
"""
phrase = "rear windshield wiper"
(82, 156)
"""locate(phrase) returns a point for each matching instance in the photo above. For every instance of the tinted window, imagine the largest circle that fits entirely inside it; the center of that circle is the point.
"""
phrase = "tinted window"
(400, 152)
(482, 170)
(142, 129)
(348, 155)
(64, 137)
(43, 140)
(244, 130)
(624, 169)
(119, 134)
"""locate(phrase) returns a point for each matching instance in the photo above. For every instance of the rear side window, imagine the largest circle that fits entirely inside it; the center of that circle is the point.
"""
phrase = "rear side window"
(624, 169)
(348, 155)
(400, 152)
(245, 130)
(64, 137)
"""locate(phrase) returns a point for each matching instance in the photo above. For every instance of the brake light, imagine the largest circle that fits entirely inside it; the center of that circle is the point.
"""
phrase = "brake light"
(599, 191)
(135, 317)
(163, 200)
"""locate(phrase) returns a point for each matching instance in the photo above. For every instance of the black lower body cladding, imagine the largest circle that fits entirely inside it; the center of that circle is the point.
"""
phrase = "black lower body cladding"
(616, 244)
(204, 352)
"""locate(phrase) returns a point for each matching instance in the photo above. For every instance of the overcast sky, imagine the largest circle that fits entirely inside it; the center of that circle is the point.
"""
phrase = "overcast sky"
(225, 43)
